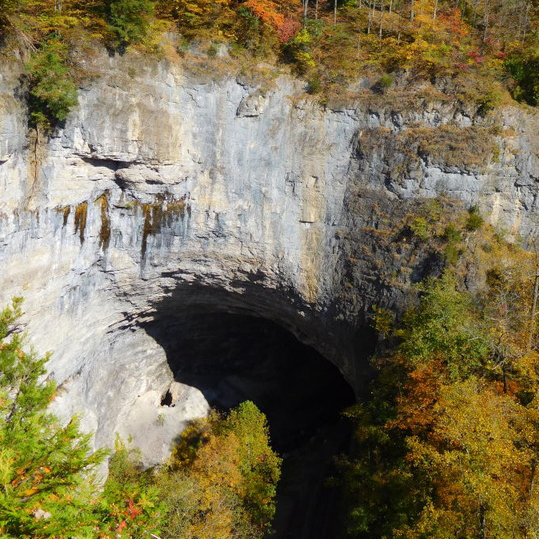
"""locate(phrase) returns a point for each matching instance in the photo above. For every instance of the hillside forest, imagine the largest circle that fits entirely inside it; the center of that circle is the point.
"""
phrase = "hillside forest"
(480, 50)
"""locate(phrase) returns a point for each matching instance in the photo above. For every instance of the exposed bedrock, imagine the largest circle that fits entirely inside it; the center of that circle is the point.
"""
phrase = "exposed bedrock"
(169, 196)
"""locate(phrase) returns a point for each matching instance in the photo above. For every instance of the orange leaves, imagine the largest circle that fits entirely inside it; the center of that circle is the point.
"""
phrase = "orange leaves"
(474, 444)
(452, 24)
(421, 393)
(266, 10)
(132, 510)
(229, 482)
(278, 15)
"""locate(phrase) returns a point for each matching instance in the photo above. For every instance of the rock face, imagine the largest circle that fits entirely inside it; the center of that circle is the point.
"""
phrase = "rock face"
(169, 192)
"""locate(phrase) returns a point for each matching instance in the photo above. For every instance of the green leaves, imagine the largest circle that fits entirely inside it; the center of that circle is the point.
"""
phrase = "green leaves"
(129, 20)
(53, 92)
(447, 325)
(445, 448)
(43, 465)
(226, 485)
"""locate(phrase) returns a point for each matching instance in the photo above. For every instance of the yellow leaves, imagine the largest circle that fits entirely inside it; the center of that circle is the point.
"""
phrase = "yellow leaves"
(474, 445)
(229, 479)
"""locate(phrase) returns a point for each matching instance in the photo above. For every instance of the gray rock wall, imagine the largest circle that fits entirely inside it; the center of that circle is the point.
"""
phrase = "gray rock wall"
(167, 191)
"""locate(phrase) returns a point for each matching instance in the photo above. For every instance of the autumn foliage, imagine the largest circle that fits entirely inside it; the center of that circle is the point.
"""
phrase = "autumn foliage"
(448, 444)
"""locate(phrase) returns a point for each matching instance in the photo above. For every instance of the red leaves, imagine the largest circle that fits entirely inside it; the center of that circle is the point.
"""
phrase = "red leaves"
(288, 29)
(277, 15)
(132, 510)
(477, 57)
(131, 513)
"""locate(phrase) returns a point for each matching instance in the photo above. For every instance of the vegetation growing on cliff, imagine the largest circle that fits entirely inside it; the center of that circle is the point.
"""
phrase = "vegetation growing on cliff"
(447, 444)
(475, 47)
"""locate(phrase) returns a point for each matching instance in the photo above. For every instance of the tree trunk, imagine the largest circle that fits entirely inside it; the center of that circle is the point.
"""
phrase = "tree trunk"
(412, 10)
(371, 18)
(533, 311)
(486, 20)
(482, 522)
(381, 18)
(335, 12)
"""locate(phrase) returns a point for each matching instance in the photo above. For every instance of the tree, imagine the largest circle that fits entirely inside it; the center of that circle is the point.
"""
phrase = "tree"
(129, 20)
(45, 468)
(52, 90)
(447, 326)
(222, 479)
(478, 457)
(443, 448)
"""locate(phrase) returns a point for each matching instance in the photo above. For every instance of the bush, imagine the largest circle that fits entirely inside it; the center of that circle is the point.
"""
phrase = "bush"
(420, 228)
(130, 505)
(385, 81)
(452, 234)
(314, 86)
(474, 221)
(297, 51)
(53, 92)
(129, 20)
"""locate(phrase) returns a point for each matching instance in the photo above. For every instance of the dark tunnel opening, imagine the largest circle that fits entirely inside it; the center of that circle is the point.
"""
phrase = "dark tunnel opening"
(236, 357)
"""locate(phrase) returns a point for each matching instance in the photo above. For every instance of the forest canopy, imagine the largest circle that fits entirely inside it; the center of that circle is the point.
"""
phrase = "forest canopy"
(484, 46)
(446, 445)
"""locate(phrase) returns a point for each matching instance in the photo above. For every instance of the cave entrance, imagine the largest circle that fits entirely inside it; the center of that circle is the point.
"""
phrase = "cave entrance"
(236, 357)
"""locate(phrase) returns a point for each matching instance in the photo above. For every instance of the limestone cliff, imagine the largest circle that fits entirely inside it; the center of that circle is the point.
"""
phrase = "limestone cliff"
(169, 192)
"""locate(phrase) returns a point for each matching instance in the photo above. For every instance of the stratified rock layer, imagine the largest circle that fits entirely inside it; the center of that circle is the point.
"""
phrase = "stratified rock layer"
(168, 193)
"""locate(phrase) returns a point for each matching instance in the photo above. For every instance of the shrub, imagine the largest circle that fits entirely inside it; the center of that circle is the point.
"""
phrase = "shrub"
(452, 234)
(385, 81)
(297, 51)
(315, 85)
(130, 505)
(129, 20)
(474, 221)
(420, 228)
(52, 89)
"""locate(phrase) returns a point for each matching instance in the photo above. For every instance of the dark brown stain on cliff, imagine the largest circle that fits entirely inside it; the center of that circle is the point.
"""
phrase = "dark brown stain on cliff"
(104, 233)
(158, 214)
(81, 215)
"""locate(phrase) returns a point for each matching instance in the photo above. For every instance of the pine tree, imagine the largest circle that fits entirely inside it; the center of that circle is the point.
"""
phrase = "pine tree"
(129, 20)
(45, 484)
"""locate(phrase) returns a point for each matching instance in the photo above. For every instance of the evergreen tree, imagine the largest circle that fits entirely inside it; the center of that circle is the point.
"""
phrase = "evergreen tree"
(129, 20)
(45, 484)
